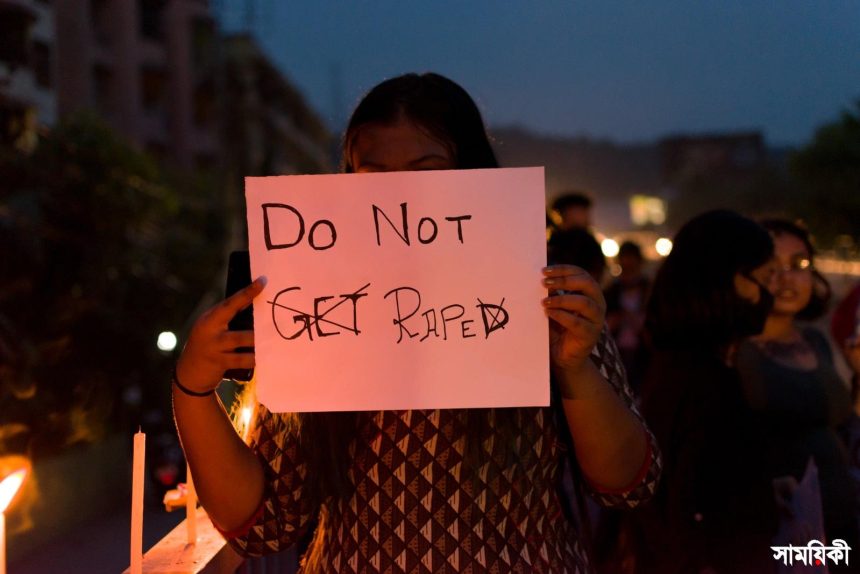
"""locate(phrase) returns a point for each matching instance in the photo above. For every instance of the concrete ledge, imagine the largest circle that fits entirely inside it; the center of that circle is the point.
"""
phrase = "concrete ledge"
(173, 555)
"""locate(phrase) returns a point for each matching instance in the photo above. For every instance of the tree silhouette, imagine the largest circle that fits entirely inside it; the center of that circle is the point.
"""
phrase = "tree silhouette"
(101, 252)
(827, 173)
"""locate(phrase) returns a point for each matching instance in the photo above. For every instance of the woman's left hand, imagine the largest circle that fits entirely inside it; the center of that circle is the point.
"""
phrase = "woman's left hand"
(578, 310)
(852, 353)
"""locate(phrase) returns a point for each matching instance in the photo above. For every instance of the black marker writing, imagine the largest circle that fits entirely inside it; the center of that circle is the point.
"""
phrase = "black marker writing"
(400, 317)
(428, 229)
(495, 323)
(313, 322)
(437, 323)
(313, 241)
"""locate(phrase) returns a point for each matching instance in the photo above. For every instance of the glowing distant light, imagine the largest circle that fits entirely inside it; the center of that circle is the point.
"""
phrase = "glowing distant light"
(663, 246)
(246, 417)
(166, 341)
(647, 209)
(609, 247)
(9, 487)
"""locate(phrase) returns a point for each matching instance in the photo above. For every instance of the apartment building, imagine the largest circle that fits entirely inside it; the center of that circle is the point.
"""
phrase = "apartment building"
(148, 67)
(27, 71)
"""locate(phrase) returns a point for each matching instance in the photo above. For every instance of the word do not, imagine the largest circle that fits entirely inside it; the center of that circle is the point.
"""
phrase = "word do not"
(322, 233)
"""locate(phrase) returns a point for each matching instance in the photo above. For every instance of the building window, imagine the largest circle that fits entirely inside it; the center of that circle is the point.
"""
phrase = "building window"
(150, 14)
(14, 34)
(156, 150)
(203, 43)
(206, 162)
(204, 105)
(41, 63)
(103, 89)
(153, 84)
(101, 21)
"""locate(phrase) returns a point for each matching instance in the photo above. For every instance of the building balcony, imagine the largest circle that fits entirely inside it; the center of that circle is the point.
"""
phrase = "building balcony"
(153, 127)
(16, 19)
(205, 141)
(153, 53)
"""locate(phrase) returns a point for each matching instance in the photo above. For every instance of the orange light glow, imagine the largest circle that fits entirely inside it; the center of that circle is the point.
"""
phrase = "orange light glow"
(9, 487)
(243, 408)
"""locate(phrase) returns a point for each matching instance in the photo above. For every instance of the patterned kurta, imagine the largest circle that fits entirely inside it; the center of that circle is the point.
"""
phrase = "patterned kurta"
(412, 506)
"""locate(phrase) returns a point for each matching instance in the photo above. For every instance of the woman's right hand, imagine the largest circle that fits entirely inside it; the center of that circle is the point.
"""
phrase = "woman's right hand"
(852, 353)
(211, 347)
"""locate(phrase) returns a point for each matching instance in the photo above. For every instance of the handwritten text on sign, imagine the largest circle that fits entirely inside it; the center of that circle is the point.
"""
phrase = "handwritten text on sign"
(406, 290)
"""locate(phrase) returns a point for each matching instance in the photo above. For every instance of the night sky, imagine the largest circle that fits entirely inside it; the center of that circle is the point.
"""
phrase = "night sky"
(626, 71)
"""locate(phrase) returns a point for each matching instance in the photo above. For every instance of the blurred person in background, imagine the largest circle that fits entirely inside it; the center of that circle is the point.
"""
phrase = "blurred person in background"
(577, 246)
(792, 385)
(845, 328)
(625, 298)
(714, 511)
(573, 210)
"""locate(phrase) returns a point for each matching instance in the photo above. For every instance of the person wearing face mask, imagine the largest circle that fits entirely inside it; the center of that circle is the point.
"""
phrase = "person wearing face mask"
(714, 510)
(791, 383)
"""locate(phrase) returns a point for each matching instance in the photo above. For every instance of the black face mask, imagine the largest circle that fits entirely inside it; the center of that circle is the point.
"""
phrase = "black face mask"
(752, 316)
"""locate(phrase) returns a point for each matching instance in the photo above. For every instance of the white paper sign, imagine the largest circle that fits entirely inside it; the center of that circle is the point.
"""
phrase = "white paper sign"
(403, 290)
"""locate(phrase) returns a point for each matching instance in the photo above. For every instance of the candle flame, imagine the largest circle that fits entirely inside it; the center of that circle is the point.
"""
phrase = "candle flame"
(242, 410)
(9, 487)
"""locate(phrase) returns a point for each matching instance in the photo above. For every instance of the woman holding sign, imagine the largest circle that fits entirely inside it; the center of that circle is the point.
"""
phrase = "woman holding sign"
(409, 491)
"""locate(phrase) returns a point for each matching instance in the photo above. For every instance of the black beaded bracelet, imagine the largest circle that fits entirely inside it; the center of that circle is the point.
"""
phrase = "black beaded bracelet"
(175, 380)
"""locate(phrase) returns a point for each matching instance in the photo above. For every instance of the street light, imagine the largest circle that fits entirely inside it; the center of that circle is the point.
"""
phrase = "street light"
(166, 341)
(609, 247)
(663, 246)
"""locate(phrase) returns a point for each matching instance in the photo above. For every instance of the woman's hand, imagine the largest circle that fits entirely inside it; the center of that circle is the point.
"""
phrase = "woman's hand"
(578, 310)
(852, 353)
(783, 492)
(211, 348)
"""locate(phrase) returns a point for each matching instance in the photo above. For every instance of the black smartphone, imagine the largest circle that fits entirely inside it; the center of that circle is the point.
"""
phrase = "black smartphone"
(239, 277)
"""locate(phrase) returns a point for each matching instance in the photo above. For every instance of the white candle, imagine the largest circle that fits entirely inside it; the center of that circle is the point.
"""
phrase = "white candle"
(8, 488)
(2, 543)
(190, 508)
(138, 469)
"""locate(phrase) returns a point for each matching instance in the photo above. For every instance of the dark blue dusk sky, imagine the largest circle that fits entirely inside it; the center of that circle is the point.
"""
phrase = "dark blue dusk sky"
(623, 70)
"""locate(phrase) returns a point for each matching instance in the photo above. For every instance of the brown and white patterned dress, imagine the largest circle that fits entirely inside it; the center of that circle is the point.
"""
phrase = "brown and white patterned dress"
(412, 507)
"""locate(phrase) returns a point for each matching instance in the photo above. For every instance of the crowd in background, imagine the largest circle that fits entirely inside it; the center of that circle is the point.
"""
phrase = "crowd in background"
(759, 432)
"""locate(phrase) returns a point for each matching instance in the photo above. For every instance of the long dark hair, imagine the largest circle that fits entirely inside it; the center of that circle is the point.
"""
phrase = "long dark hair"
(693, 302)
(433, 103)
(821, 292)
(448, 114)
